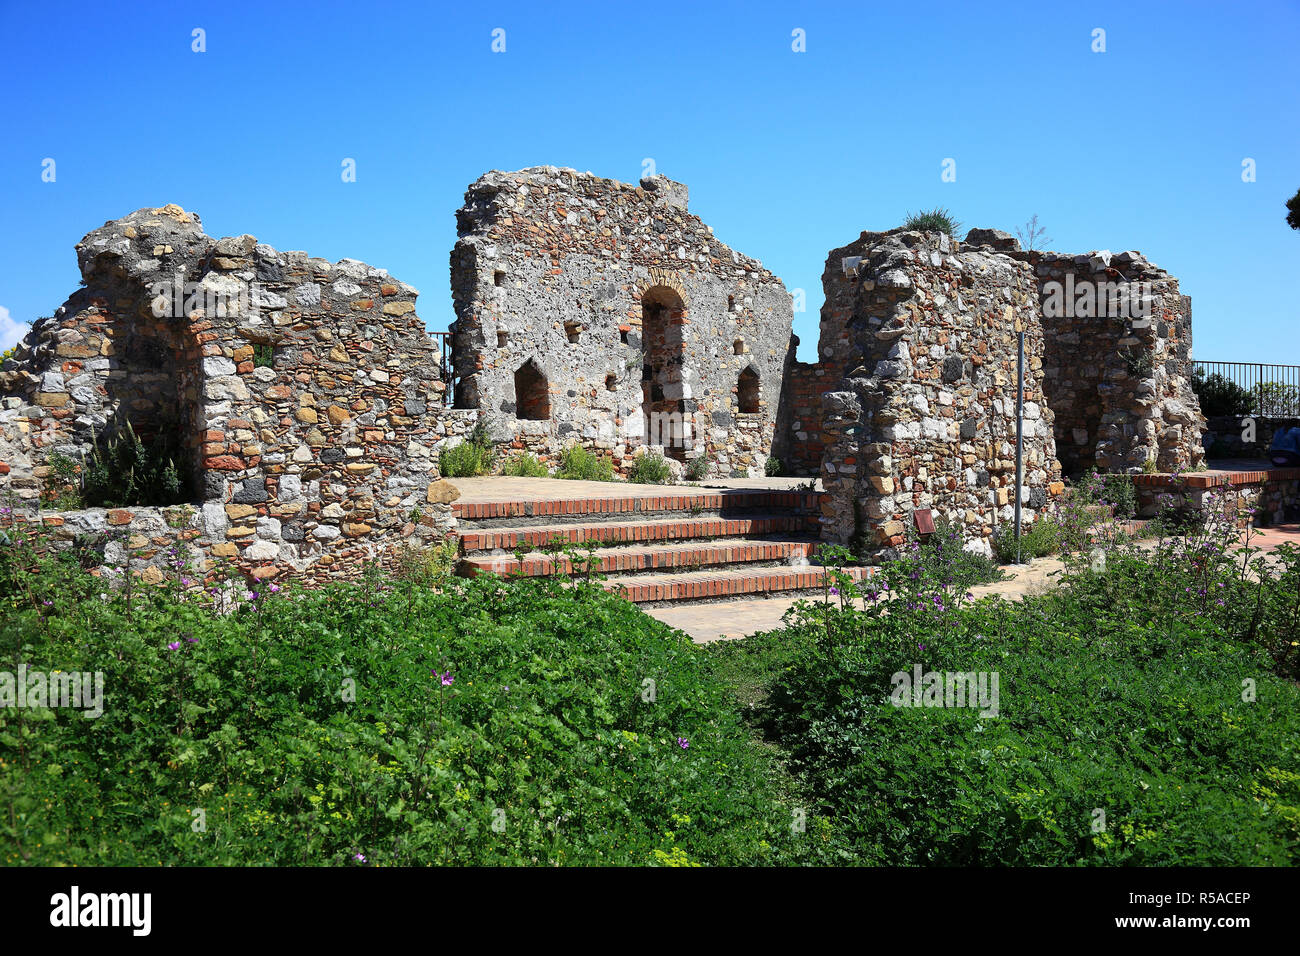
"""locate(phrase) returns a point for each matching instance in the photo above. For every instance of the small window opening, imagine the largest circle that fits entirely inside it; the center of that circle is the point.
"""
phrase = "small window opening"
(502, 338)
(532, 393)
(747, 391)
(498, 278)
(572, 330)
(740, 346)
(611, 382)
(263, 355)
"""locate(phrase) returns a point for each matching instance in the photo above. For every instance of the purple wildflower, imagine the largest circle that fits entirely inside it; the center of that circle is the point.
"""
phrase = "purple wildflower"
(174, 646)
(683, 743)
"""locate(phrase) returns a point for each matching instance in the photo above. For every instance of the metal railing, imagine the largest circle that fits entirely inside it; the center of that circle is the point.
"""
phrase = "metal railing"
(1247, 388)
(444, 342)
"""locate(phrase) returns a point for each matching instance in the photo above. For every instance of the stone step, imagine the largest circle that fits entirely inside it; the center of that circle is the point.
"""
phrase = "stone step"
(721, 584)
(725, 502)
(646, 558)
(630, 532)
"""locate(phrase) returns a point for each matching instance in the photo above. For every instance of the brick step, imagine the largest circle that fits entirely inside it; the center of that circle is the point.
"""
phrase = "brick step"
(713, 585)
(631, 532)
(477, 514)
(643, 558)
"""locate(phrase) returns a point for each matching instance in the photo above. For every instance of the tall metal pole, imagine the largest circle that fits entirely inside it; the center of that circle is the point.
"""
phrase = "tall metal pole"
(1020, 428)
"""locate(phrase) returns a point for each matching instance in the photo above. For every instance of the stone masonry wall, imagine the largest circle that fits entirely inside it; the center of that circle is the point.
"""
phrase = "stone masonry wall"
(626, 304)
(307, 395)
(925, 418)
(1120, 383)
(798, 440)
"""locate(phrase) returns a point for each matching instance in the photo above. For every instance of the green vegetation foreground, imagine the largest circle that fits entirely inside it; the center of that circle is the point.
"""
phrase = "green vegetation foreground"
(1147, 713)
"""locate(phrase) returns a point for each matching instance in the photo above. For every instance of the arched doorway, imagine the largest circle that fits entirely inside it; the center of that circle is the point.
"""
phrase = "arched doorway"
(663, 390)
(532, 393)
(748, 390)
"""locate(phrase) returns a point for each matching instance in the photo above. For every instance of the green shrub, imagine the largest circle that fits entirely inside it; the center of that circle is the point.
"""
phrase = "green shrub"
(697, 469)
(1219, 395)
(576, 463)
(1122, 691)
(472, 457)
(1145, 725)
(944, 557)
(61, 489)
(525, 465)
(773, 467)
(1037, 539)
(1147, 712)
(650, 470)
(529, 721)
(1116, 491)
(933, 220)
(1276, 399)
(124, 471)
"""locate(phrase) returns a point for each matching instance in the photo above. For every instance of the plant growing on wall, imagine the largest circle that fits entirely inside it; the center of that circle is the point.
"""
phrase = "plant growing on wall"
(933, 220)
(126, 471)
(1033, 236)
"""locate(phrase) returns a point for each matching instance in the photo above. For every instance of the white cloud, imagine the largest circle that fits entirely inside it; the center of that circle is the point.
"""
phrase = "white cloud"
(10, 331)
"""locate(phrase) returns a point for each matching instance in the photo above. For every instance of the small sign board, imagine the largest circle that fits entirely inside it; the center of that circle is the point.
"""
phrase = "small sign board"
(924, 521)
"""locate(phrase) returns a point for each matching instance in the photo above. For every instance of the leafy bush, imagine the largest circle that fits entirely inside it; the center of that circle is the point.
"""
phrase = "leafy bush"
(1142, 691)
(697, 469)
(576, 463)
(942, 560)
(525, 465)
(1037, 539)
(1113, 490)
(932, 220)
(773, 467)
(650, 470)
(1219, 395)
(1277, 399)
(62, 487)
(469, 459)
(523, 721)
(124, 471)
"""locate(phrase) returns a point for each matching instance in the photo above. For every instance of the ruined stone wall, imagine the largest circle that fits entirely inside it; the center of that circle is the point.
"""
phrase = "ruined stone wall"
(626, 305)
(925, 418)
(307, 394)
(1118, 366)
(798, 440)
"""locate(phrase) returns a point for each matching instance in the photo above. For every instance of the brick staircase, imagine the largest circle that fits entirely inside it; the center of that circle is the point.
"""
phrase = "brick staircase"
(690, 546)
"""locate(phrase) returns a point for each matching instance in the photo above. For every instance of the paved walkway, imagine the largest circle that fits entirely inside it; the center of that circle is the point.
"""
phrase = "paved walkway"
(729, 620)
(735, 619)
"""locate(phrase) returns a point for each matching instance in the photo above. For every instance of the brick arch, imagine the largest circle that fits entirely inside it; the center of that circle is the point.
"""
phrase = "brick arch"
(663, 279)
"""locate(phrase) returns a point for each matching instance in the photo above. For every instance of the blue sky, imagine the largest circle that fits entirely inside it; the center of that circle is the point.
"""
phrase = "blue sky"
(787, 154)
